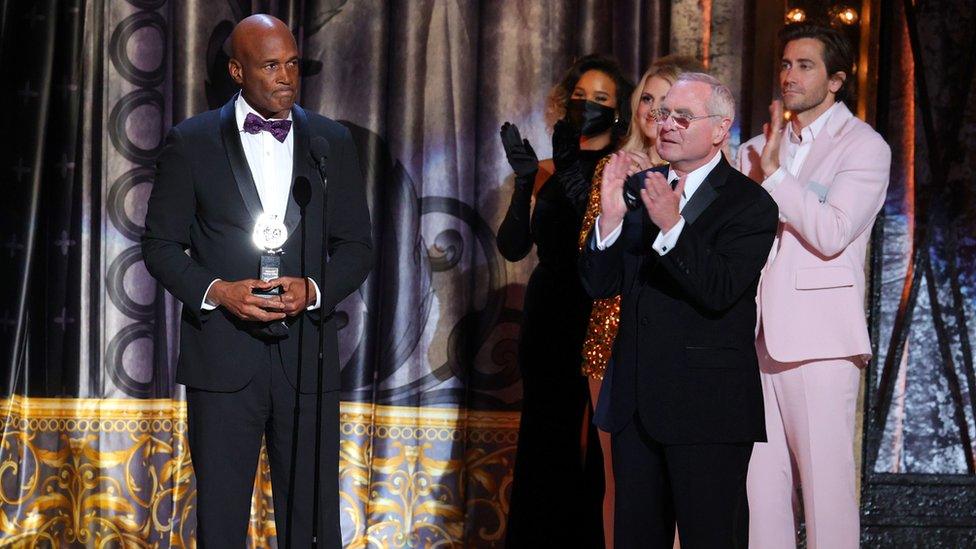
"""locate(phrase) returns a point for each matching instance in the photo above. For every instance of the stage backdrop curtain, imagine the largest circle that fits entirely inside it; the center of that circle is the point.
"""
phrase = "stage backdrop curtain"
(94, 445)
(919, 474)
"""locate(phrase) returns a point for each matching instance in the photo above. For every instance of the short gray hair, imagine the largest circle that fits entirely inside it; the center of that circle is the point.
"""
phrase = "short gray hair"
(721, 101)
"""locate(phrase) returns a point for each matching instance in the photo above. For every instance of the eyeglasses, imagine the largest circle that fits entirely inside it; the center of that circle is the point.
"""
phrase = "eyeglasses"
(680, 120)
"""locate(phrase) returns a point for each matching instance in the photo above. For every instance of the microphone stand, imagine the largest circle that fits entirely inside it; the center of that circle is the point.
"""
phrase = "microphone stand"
(321, 349)
(302, 196)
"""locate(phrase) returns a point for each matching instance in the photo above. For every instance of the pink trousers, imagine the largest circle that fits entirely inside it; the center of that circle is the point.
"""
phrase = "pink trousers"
(810, 409)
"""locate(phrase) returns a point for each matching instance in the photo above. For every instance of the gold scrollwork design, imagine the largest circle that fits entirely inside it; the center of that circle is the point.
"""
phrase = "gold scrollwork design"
(95, 473)
(110, 473)
(396, 492)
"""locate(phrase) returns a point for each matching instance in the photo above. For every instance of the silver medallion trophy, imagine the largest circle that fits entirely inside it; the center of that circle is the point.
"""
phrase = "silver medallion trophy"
(269, 236)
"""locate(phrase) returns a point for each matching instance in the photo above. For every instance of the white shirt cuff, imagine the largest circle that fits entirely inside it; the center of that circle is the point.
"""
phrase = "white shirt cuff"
(207, 305)
(604, 243)
(318, 296)
(665, 241)
(770, 182)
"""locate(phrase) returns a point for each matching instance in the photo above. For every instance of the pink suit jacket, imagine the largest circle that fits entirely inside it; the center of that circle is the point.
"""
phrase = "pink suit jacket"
(811, 295)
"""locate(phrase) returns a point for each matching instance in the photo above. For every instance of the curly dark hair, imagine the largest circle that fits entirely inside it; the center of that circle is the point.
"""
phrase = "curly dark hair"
(838, 55)
(562, 91)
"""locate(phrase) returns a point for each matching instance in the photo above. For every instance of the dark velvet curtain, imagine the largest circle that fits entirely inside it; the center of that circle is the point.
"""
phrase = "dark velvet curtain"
(919, 478)
(93, 446)
(43, 225)
(927, 260)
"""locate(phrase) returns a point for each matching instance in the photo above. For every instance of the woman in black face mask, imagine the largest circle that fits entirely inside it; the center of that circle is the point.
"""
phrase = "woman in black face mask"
(557, 488)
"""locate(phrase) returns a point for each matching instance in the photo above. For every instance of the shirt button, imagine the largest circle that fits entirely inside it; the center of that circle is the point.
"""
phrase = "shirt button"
(644, 321)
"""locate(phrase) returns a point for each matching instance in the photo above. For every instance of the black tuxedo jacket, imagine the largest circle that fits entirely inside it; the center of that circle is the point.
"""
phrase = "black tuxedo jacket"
(684, 358)
(198, 227)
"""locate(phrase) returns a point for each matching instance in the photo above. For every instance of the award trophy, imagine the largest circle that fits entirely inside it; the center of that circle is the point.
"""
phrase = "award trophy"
(269, 235)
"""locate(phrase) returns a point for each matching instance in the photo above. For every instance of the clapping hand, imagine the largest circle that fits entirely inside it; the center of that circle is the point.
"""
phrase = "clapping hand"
(638, 162)
(661, 201)
(769, 160)
(565, 145)
(519, 152)
(612, 205)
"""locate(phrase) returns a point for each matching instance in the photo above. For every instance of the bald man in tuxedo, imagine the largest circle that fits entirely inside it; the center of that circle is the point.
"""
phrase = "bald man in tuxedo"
(219, 172)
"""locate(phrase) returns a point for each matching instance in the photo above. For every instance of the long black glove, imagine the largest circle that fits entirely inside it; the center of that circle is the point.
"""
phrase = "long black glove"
(514, 239)
(519, 152)
(566, 158)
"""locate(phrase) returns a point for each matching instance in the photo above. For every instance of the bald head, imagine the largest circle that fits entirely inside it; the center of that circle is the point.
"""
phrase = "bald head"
(254, 29)
(264, 63)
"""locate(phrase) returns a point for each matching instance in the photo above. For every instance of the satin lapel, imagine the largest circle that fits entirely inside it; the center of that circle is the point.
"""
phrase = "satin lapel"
(231, 136)
(706, 192)
(301, 165)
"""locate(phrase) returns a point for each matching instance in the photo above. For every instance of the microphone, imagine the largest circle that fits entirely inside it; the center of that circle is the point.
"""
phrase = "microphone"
(302, 192)
(319, 149)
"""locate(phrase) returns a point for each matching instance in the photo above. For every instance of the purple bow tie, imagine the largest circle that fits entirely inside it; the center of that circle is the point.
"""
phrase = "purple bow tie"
(277, 128)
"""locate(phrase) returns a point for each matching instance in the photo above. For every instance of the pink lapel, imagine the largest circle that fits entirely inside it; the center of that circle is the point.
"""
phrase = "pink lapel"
(824, 143)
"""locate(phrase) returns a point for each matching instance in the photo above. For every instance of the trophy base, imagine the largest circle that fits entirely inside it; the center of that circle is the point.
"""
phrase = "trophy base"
(267, 294)
(270, 267)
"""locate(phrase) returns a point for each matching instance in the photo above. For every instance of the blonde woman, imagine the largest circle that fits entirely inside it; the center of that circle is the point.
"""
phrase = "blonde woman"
(639, 144)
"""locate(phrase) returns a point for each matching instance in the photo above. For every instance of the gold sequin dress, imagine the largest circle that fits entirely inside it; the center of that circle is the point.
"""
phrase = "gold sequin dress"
(605, 315)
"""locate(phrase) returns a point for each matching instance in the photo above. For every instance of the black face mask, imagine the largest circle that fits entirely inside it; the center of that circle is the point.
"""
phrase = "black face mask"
(590, 117)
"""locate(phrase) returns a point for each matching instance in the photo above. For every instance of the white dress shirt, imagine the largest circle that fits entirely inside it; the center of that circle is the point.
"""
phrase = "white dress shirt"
(665, 241)
(271, 163)
(797, 148)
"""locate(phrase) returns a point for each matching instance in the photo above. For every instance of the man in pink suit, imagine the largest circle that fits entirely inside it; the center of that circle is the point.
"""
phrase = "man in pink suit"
(828, 173)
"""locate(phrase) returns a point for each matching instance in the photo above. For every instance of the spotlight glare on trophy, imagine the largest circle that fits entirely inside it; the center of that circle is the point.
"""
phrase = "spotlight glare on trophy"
(269, 235)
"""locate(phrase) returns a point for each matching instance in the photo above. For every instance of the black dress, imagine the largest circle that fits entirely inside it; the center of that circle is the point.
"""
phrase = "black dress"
(557, 489)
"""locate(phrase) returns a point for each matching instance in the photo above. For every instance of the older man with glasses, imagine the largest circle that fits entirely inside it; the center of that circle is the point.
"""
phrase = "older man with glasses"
(684, 244)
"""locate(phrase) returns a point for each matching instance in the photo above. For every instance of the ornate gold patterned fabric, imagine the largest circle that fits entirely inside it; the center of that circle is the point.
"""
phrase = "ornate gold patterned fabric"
(95, 473)
(605, 315)
(117, 472)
